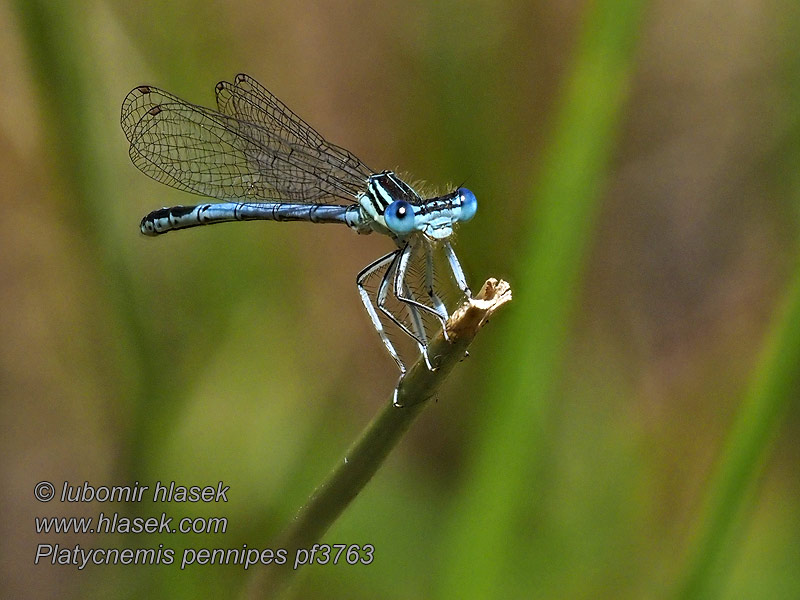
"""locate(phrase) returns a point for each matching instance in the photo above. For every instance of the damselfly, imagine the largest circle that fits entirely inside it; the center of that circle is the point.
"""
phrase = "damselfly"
(263, 162)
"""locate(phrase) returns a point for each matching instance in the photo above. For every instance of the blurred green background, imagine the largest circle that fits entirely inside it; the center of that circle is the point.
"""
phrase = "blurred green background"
(625, 428)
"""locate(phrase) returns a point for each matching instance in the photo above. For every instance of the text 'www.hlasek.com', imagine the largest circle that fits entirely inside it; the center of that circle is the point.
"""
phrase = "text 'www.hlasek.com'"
(172, 495)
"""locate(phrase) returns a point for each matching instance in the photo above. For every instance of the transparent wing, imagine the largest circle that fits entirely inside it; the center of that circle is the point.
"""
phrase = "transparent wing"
(228, 157)
(248, 100)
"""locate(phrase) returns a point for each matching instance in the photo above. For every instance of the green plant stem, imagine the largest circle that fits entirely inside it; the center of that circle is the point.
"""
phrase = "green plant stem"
(773, 387)
(366, 455)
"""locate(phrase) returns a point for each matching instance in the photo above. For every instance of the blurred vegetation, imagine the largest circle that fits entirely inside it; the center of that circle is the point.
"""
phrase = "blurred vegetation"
(624, 429)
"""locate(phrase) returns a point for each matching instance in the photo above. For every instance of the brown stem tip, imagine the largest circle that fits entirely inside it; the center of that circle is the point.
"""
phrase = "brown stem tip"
(474, 313)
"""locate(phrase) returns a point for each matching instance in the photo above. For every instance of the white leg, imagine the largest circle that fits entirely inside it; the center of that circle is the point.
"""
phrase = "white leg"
(458, 272)
(373, 315)
(419, 327)
(435, 300)
(383, 292)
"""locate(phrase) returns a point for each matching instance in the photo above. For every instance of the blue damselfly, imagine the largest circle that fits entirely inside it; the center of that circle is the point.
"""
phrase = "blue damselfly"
(263, 162)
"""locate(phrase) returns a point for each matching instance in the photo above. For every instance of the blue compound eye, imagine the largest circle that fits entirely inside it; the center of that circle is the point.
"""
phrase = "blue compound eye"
(469, 204)
(399, 216)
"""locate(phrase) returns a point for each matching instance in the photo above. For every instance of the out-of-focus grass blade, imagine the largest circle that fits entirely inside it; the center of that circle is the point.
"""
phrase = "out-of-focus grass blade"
(774, 384)
(65, 66)
(498, 487)
(773, 387)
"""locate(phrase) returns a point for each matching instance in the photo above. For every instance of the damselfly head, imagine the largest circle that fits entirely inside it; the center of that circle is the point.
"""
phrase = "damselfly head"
(437, 217)
(399, 217)
(438, 229)
(469, 204)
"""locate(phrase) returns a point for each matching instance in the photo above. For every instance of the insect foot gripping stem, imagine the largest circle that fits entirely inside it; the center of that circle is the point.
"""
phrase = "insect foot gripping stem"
(419, 383)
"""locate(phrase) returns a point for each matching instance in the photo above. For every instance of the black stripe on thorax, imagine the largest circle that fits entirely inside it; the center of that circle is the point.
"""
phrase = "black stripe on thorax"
(384, 188)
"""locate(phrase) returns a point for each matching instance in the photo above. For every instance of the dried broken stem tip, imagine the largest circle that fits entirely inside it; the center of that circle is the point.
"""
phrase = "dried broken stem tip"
(472, 315)
(420, 383)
